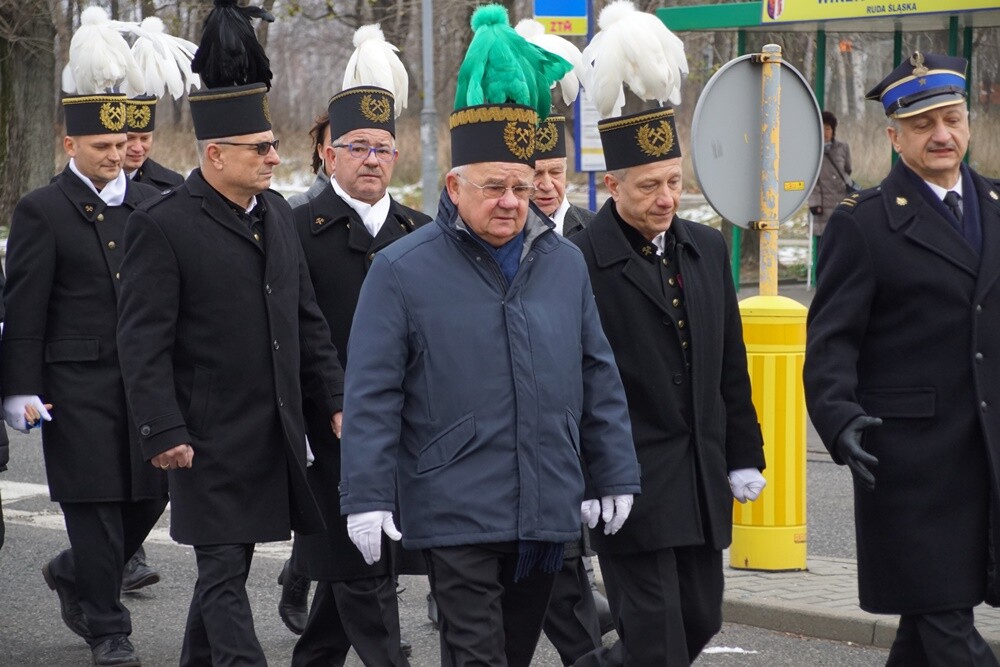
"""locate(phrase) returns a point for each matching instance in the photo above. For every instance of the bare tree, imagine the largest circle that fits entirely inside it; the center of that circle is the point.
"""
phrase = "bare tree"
(27, 105)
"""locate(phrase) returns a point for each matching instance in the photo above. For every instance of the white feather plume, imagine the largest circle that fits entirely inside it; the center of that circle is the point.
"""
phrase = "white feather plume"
(375, 63)
(534, 32)
(634, 49)
(99, 57)
(164, 60)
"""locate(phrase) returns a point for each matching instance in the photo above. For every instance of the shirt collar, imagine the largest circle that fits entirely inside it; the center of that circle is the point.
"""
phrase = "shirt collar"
(372, 215)
(559, 216)
(113, 194)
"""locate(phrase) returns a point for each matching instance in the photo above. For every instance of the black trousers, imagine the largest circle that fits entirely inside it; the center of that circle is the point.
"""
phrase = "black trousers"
(486, 617)
(102, 537)
(667, 606)
(362, 613)
(943, 639)
(571, 622)
(219, 629)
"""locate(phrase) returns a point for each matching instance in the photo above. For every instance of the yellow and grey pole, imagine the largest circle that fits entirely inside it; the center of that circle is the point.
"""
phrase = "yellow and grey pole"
(770, 533)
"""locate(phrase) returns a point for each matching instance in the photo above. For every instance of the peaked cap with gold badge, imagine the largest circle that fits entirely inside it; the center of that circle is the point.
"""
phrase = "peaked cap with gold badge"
(921, 83)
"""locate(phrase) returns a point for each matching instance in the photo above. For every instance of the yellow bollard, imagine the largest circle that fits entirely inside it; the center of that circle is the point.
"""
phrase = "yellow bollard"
(770, 533)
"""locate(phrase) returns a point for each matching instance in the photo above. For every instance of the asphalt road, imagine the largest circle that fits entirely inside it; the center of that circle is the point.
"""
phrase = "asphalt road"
(31, 632)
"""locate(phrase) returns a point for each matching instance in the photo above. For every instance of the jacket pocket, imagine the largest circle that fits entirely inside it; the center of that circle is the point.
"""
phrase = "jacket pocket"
(574, 431)
(72, 349)
(444, 447)
(902, 403)
(201, 394)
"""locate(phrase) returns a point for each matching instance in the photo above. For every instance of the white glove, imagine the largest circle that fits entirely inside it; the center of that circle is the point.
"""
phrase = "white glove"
(614, 511)
(13, 411)
(365, 530)
(746, 483)
(590, 512)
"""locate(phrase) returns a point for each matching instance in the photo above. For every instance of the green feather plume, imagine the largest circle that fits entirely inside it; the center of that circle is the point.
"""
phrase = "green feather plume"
(502, 67)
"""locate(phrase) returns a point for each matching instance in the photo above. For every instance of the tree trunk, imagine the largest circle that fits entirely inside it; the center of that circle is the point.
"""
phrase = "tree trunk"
(27, 106)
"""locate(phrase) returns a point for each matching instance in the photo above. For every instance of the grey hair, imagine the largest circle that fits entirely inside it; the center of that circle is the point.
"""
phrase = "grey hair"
(458, 171)
(619, 174)
(202, 145)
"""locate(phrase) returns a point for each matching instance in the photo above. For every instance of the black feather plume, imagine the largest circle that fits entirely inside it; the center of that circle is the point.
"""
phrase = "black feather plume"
(229, 53)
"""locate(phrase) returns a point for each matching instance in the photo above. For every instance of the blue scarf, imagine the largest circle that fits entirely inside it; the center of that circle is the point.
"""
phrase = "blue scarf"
(507, 256)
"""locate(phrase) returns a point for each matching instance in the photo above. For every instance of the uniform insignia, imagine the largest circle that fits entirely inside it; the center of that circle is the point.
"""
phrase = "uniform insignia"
(655, 140)
(88, 208)
(319, 221)
(137, 117)
(647, 250)
(902, 201)
(376, 108)
(519, 139)
(993, 195)
(546, 137)
(917, 60)
(112, 116)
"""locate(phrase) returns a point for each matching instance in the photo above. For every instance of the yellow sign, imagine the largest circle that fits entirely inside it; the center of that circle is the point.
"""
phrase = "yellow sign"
(794, 186)
(564, 25)
(786, 11)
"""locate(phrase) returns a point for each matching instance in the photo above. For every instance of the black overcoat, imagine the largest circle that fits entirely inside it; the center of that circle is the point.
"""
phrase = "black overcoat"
(214, 331)
(63, 259)
(155, 174)
(904, 327)
(338, 250)
(576, 219)
(678, 453)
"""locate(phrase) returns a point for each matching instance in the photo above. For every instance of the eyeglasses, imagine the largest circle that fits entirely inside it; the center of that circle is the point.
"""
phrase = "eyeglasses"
(263, 147)
(362, 151)
(495, 191)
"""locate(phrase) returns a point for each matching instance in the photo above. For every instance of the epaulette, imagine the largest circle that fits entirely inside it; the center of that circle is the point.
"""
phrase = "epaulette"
(147, 204)
(850, 202)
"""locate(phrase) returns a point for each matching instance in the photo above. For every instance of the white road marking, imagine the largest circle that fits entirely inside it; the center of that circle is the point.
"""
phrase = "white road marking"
(52, 519)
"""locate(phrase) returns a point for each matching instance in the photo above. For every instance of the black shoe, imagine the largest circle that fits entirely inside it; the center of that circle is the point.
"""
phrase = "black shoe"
(69, 604)
(432, 612)
(137, 574)
(293, 608)
(405, 646)
(603, 612)
(116, 652)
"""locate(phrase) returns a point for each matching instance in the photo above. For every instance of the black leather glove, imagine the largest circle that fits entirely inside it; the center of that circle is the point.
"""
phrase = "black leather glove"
(850, 451)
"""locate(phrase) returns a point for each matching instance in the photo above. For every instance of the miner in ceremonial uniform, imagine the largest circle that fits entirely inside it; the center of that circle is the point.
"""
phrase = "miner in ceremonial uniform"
(669, 309)
(578, 612)
(480, 381)
(59, 349)
(902, 369)
(342, 230)
(219, 336)
(138, 165)
(550, 179)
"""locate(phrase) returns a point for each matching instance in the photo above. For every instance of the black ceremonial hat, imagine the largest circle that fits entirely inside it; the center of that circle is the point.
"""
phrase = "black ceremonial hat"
(362, 107)
(140, 113)
(493, 133)
(550, 138)
(639, 138)
(235, 71)
(94, 114)
(923, 82)
(230, 112)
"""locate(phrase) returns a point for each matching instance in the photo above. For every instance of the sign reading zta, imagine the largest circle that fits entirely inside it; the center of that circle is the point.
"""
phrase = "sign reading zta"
(562, 17)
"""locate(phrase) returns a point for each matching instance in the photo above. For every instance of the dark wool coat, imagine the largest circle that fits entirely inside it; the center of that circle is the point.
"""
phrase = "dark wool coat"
(339, 250)
(576, 219)
(479, 397)
(155, 174)
(63, 259)
(684, 457)
(218, 338)
(904, 327)
(830, 187)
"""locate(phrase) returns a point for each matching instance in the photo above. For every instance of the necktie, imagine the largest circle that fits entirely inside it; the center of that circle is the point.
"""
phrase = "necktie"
(954, 204)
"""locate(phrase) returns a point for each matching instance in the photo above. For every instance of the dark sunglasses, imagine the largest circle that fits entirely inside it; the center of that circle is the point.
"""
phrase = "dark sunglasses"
(263, 147)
